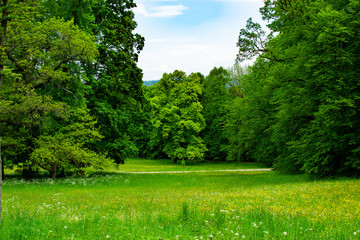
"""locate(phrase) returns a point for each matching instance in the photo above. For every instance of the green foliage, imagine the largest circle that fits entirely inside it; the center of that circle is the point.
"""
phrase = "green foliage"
(306, 86)
(43, 113)
(249, 118)
(216, 99)
(80, 11)
(22, 112)
(65, 150)
(176, 115)
(251, 41)
(41, 50)
(115, 80)
(115, 125)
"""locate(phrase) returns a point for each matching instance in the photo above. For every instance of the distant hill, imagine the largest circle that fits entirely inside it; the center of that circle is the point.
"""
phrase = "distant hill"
(149, 83)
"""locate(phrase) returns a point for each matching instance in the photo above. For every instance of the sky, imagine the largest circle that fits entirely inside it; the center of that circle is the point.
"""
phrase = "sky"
(191, 35)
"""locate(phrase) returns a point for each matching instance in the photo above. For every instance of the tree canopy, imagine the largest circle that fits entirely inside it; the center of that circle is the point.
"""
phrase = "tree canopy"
(69, 83)
(176, 117)
(300, 108)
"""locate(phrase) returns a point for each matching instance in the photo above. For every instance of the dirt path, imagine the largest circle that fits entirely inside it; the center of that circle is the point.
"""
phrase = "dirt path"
(206, 171)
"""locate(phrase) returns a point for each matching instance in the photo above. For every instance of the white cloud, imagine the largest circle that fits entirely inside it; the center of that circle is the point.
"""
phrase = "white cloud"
(189, 55)
(160, 12)
(196, 47)
(141, 10)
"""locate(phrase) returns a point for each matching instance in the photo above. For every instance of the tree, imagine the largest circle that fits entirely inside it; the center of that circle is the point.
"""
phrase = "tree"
(177, 117)
(38, 89)
(329, 144)
(66, 149)
(250, 116)
(114, 81)
(36, 53)
(216, 99)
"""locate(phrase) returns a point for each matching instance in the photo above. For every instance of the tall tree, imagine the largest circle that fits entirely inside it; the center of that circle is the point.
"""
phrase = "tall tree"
(250, 115)
(37, 84)
(114, 81)
(177, 117)
(216, 99)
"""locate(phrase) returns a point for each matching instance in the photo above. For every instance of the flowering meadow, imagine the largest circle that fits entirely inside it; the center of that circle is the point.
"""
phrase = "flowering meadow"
(214, 205)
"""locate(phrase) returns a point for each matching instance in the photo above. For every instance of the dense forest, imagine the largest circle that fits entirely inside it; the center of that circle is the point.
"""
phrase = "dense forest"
(73, 100)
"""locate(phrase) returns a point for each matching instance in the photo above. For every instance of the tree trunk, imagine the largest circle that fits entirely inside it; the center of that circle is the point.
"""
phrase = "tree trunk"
(75, 7)
(53, 172)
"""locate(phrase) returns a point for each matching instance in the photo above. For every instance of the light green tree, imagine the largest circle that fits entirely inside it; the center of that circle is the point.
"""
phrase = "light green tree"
(177, 117)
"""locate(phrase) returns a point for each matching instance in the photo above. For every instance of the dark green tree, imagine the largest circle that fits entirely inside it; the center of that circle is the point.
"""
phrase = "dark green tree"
(308, 80)
(38, 89)
(250, 115)
(113, 82)
(117, 85)
(216, 99)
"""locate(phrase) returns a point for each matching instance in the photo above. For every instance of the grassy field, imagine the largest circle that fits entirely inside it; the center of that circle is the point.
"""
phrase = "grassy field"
(214, 205)
(163, 165)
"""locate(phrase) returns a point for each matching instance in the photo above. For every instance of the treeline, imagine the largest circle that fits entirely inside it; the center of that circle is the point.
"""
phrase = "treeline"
(295, 109)
(186, 116)
(301, 99)
(72, 98)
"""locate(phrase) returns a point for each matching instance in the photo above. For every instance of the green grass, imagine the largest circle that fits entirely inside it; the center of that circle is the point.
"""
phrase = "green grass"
(162, 165)
(225, 205)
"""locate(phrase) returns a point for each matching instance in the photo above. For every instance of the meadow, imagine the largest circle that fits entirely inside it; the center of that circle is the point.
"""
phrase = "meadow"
(164, 165)
(212, 205)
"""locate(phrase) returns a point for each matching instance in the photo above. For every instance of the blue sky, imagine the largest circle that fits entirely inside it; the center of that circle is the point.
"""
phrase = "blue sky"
(190, 35)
